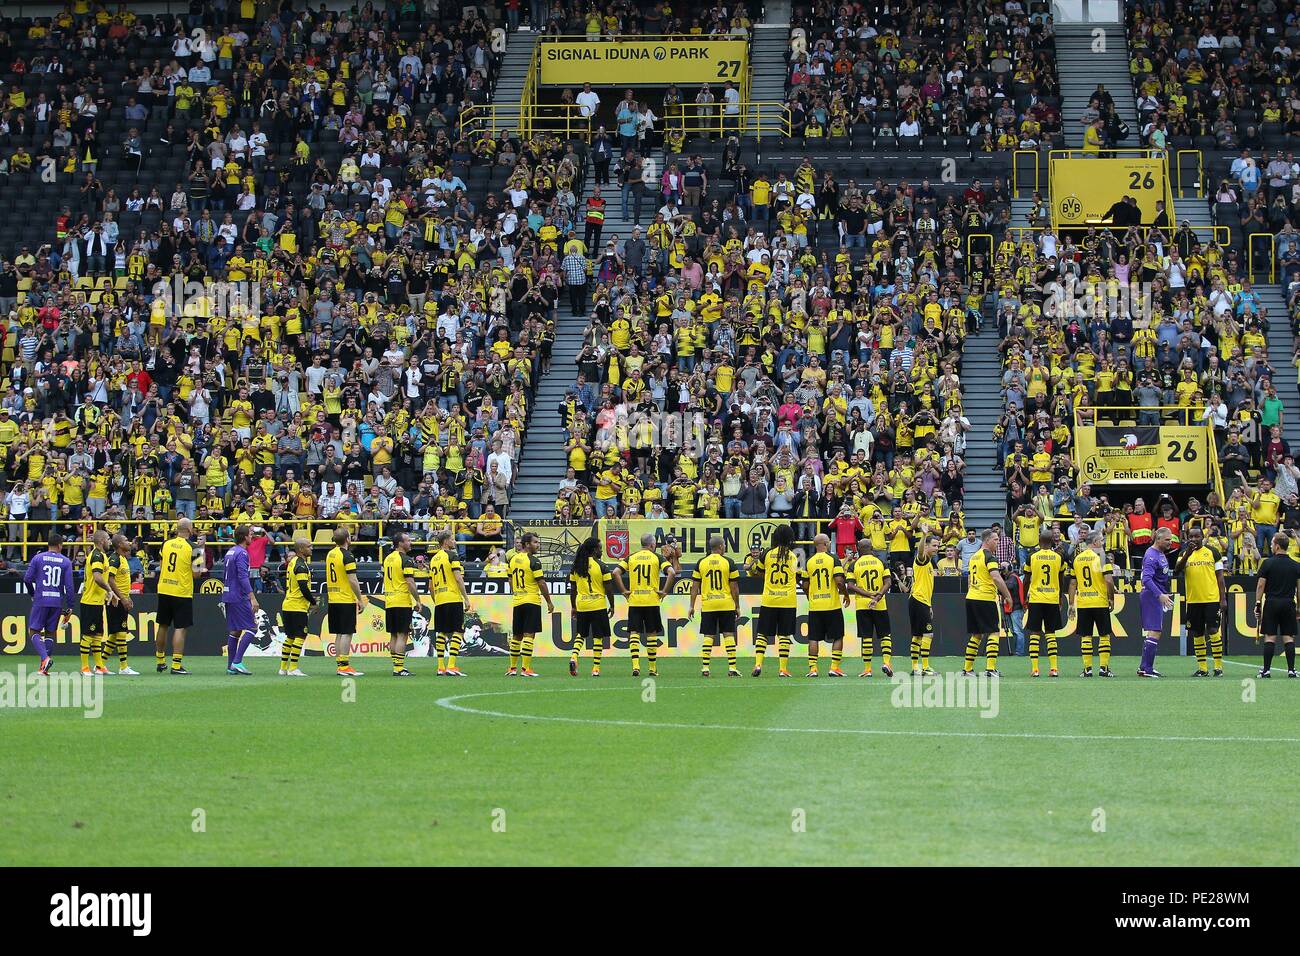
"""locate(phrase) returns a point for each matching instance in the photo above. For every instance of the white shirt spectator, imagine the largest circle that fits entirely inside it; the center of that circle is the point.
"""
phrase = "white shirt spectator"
(588, 102)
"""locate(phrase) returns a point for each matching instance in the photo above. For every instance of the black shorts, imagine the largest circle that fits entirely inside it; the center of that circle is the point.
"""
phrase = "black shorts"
(448, 618)
(920, 617)
(295, 623)
(341, 618)
(92, 619)
(1202, 619)
(590, 625)
(527, 620)
(981, 617)
(717, 623)
(1277, 619)
(397, 620)
(1093, 620)
(872, 623)
(826, 626)
(117, 618)
(644, 620)
(776, 621)
(175, 611)
(1042, 618)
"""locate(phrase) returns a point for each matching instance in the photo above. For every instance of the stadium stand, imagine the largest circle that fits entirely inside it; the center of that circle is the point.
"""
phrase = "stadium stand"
(263, 273)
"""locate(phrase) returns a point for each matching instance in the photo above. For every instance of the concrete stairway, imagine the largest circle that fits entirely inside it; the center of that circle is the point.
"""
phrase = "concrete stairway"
(542, 460)
(514, 67)
(1281, 344)
(767, 58)
(981, 372)
(1081, 69)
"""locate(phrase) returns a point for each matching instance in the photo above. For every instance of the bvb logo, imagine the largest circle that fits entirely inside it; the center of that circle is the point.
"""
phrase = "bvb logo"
(761, 534)
(661, 53)
(1094, 469)
(1071, 207)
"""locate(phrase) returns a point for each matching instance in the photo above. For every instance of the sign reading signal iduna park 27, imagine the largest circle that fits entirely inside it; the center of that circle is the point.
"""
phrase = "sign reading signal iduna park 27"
(647, 62)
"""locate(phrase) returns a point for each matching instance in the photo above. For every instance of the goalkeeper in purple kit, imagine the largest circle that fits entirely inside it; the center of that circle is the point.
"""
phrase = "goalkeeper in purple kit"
(1155, 601)
(49, 579)
(240, 603)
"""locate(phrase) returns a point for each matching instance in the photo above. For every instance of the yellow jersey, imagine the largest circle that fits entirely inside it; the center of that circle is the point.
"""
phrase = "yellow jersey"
(644, 569)
(981, 586)
(339, 563)
(779, 577)
(92, 593)
(715, 573)
(823, 579)
(525, 573)
(869, 573)
(297, 584)
(121, 571)
(1200, 576)
(443, 568)
(397, 590)
(923, 581)
(1090, 571)
(1043, 570)
(588, 591)
(175, 569)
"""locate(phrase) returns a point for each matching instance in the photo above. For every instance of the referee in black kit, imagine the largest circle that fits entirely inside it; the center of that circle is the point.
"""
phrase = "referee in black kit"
(1275, 604)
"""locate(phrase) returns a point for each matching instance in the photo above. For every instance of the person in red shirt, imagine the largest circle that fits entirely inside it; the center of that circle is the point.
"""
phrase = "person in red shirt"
(845, 530)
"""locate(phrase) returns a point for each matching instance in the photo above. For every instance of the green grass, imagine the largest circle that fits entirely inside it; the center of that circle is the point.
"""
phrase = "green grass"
(289, 773)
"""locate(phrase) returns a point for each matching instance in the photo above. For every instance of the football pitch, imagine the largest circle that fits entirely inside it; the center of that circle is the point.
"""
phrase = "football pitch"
(211, 769)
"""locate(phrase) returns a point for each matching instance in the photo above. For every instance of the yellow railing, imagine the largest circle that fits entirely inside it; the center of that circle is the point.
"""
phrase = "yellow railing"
(560, 119)
(753, 118)
(1169, 414)
(1272, 253)
(1216, 473)
(1200, 171)
(1015, 170)
(528, 96)
(34, 532)
(979, 235)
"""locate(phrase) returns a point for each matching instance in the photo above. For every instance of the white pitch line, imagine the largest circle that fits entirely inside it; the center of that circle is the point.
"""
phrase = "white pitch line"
(449, 703)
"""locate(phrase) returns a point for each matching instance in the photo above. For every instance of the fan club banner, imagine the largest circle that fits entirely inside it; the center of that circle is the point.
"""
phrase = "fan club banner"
(488, 621)
(1170, 454)
(739, 536)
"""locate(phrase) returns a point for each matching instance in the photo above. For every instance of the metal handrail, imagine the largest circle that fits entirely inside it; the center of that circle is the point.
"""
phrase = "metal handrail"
(1200, 171)
(1250, 253)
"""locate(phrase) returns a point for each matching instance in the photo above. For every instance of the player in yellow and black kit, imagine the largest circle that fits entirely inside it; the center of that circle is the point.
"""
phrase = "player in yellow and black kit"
(1044, 571)
(399, 600)
(119, 583)
(95, 594)
(528, 586)
(298, 602)
(447, 579)
(716, 587)
(982, 592)
(178, 565)
(823, 581)
(776, 616)
(870, 583)
(920, 605)
(343, 601)
(1092, 584)
(1206, 600)
(591, 595)
(644, 569)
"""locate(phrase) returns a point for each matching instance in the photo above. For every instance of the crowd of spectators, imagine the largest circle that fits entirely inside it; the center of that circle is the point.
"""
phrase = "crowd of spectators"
(737, 366)
(969, 74)
(319, 322)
